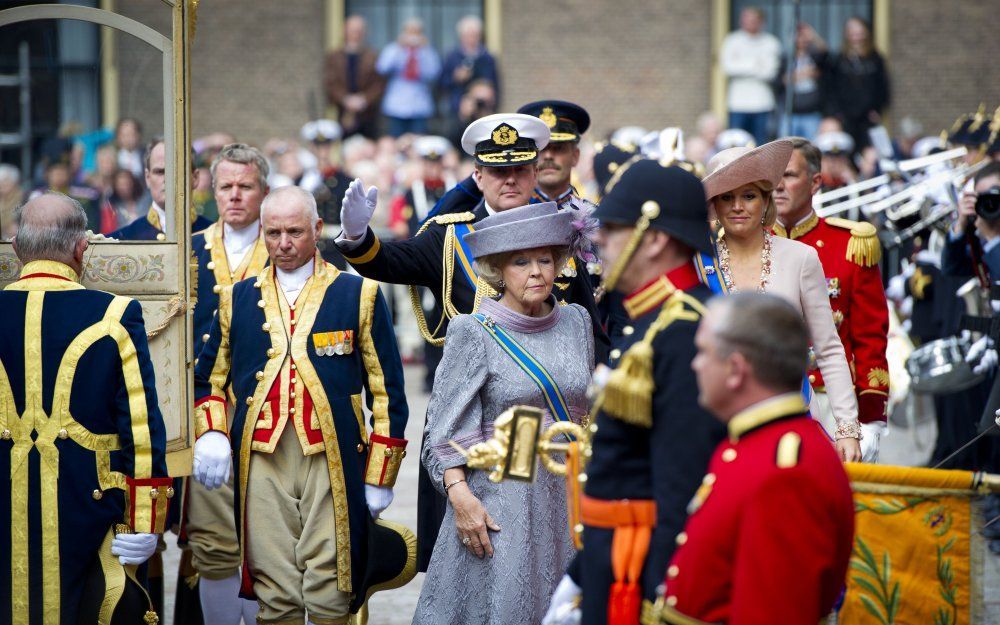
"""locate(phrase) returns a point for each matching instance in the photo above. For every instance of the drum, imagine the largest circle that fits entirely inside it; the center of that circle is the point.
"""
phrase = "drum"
(939, 367)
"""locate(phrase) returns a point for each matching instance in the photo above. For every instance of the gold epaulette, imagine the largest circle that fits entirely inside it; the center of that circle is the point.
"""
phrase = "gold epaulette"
(864, 248)
(451, 218)
(787, 454)
(628, 394)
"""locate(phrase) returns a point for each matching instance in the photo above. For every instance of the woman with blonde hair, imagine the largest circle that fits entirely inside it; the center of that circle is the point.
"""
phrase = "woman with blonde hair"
(739, 188)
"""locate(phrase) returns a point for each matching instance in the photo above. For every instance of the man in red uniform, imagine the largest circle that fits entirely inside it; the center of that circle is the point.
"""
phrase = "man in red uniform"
(850, 252)
(770, 531)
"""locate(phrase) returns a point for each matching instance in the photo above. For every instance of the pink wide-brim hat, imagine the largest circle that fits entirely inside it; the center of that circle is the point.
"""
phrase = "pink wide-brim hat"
(731, 169)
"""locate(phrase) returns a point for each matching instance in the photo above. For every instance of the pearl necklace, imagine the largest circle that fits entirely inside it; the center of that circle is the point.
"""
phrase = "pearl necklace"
(765, 264)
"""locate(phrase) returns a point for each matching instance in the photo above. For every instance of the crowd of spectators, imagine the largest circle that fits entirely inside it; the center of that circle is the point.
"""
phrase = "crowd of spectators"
(406, 85)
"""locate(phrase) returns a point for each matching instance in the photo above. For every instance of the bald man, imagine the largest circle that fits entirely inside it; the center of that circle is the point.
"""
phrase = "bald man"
(81, 436)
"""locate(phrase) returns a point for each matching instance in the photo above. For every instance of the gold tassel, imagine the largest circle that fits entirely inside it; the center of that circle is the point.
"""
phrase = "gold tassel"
(864, 249)
(628, 394)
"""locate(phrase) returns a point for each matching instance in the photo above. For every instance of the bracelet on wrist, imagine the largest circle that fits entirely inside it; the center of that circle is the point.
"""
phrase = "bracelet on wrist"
(848, 429)
(449, 485)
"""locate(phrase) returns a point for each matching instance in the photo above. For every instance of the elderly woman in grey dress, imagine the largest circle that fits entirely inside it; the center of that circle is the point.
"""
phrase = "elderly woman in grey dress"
(503, 547)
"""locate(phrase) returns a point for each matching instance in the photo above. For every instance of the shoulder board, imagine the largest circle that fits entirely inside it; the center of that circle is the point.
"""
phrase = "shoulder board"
(787, 454)
(864, 248)
(453, 218)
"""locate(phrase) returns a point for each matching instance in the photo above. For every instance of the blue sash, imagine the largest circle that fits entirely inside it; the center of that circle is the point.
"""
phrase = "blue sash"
(550, 390)
(462, 254)
(711, 275)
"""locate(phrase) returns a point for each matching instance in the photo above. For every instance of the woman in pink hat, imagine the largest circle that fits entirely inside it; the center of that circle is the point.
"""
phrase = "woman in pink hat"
(740, 188)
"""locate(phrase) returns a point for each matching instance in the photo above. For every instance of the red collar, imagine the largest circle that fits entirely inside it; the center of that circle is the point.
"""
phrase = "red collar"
(654, 293)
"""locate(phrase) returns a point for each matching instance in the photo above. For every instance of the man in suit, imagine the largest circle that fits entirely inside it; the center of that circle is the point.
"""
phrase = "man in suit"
(352, 84)
(226, 252)
(505, 147)
(150, 227)
(297, 346)
(772, 524)
(849, 252)
(82, 442)
(652, 441)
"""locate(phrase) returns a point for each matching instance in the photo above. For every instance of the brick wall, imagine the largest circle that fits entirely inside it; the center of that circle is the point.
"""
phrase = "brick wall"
(256, 68)
(644, 63)
(256, 72)
(943, 60)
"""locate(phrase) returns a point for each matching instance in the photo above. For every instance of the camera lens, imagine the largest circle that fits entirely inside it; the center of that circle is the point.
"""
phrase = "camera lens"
(988, 204)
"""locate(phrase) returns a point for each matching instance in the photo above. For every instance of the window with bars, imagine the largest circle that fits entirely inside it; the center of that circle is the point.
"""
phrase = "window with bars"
(827, 17)
(386, 17)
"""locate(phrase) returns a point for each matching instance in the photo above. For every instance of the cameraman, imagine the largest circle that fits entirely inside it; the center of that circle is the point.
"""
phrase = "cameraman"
(979, 210)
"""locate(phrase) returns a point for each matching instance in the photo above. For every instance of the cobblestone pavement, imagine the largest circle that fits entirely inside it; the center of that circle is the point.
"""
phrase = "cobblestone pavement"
(908, 443)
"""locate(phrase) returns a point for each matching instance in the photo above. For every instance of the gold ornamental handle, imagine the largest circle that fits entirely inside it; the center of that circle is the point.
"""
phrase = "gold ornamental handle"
(547, 446)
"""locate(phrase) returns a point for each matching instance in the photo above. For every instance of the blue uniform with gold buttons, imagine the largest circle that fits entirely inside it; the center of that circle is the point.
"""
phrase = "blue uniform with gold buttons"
(300, 369)
(658, 464)
(148, 228)
(82, 442)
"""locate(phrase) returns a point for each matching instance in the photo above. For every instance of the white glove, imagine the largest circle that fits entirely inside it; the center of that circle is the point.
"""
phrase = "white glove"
(978, 350)
(988, 362)
(134, 548)
(378, 499)
(357, 209)
(212, 459)
(870, 433)
(564, 609)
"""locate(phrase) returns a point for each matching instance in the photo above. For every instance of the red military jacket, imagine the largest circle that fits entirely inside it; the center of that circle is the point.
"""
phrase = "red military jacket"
(850, 252)
(771, 528)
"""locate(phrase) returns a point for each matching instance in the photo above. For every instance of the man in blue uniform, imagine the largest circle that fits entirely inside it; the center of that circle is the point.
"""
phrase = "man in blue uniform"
(81, 436)
(226, 252)
(505, 147)
(297, 346)
(652, 441)
(150, 227)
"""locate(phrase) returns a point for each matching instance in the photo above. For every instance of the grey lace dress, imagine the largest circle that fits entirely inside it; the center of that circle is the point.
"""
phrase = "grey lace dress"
(475, 383)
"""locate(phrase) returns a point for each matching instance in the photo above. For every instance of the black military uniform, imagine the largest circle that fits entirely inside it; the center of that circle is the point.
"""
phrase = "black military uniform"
(435, 259)
(653, 441)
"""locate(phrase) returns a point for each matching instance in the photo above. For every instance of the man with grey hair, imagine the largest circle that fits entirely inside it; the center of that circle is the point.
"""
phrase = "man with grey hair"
(776, 497)
(468, 62)
(226, 252)
(77, 399)
(284, 346)
(849, 252)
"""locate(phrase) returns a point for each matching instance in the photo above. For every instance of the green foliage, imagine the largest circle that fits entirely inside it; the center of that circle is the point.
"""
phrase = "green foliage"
(875, 578)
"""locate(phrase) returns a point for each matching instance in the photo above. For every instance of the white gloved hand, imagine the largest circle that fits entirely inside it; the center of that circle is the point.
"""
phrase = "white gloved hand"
(987, 363)
(212, 459)
(978, 350)
(357, 209)
(870, 434)
(897, 287)
(134, 548)
(378, 499)
(564, 609)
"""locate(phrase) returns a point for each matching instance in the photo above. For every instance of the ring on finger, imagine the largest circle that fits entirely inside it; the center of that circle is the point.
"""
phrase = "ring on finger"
(466, 541)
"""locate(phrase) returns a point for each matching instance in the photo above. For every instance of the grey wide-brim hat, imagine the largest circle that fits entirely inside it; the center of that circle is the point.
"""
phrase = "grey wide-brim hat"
(523, 228)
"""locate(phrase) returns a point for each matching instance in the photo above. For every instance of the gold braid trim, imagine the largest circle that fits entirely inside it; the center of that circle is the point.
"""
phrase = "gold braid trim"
(448, 264)
(650, 211)
(176, 308)
(863, 248)
(628, 395)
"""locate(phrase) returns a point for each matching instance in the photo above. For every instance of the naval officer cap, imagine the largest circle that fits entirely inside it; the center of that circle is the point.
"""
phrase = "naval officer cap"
(431, 147)
(505, 139)
(835, 143)
(670, 197)
(566, 121)
(322, 131)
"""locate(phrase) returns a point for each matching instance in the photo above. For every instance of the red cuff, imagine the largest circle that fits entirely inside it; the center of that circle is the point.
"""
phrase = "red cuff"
(872, 406)
(385, 455)
(209, 415)
(146, 502)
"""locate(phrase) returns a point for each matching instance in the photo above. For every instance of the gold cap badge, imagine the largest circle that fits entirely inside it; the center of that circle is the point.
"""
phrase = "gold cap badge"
(548, 117)
(504, 135)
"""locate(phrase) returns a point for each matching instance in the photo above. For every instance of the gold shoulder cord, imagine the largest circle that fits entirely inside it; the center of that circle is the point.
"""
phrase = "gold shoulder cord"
(628, 395)
(447, 278)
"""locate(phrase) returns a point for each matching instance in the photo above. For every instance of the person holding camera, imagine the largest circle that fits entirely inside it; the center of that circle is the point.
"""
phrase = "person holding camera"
(411, 67)
(978, 214)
